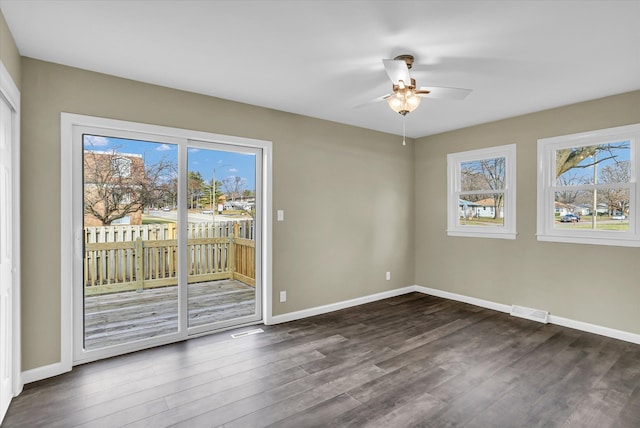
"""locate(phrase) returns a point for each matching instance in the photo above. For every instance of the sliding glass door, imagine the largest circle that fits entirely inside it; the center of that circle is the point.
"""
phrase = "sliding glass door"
(221, 234)
(131, 267)
(170, 244)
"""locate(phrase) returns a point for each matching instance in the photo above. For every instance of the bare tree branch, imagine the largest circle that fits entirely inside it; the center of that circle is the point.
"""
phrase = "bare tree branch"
(117, 185)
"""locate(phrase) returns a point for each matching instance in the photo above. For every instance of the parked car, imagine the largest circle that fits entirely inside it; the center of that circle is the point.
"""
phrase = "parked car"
(618, 217)
(570, 218)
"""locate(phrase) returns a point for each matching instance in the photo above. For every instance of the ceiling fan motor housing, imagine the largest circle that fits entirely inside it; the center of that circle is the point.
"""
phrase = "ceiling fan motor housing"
(408, 59)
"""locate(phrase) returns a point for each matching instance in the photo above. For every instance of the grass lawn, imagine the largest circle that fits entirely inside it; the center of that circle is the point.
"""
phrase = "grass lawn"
(586, 225)
(602, 223)
(155, 220)
(482, 221)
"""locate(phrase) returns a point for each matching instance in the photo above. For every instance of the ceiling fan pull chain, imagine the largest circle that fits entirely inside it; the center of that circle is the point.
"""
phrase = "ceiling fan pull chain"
(404, 118)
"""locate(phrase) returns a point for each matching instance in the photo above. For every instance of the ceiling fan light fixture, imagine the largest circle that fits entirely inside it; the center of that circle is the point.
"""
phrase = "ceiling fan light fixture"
(404, 101)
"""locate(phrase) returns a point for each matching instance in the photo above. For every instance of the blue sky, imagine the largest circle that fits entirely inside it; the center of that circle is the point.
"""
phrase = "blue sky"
(620, 153)
(226, 164)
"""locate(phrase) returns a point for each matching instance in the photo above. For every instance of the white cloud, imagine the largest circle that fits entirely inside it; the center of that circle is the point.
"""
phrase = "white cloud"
(193, 150)
(163, 147)
(233, 170)
(96, 140)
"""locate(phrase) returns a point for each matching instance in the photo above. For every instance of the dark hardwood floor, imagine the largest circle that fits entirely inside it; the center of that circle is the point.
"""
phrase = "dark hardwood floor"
(409, 361)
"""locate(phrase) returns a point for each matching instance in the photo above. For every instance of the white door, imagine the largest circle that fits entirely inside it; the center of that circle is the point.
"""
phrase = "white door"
(6, 261)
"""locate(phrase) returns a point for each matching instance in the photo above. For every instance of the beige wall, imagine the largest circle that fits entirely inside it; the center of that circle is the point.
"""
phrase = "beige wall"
(593, 284)
(347, 193)
(9, 54)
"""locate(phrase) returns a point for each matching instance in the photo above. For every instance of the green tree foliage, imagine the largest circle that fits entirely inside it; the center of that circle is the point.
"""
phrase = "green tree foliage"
(195, 188)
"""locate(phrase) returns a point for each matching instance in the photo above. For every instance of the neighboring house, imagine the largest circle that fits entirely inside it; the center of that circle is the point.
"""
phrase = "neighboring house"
(107, 174)
(602, 209)
(583, 209)
(487, 208)
(563, 209)
(467, 209)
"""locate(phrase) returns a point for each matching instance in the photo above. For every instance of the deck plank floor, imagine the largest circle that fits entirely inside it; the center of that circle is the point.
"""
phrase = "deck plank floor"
(122, 317)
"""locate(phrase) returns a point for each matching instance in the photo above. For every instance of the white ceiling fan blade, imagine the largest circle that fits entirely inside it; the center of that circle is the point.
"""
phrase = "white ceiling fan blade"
(397, 70)
(375, 100)
(445, 93)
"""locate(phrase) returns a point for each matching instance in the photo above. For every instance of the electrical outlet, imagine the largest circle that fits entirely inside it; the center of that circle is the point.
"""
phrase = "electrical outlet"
(283, 296)
(388, 276)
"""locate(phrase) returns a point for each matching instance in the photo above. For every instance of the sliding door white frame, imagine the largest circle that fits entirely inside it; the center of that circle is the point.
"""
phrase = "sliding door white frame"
(71, 228)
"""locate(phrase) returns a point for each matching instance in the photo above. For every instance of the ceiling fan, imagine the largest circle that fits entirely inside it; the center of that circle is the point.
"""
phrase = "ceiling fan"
(406, 96)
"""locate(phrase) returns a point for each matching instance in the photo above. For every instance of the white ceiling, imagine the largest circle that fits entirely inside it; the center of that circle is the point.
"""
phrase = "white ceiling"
(322, 58)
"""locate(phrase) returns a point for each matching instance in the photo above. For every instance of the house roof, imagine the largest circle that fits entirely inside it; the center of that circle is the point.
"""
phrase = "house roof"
(323, 58)
(487, 202)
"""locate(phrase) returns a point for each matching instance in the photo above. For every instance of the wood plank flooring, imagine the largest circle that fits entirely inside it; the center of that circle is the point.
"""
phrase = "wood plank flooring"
(409, 361)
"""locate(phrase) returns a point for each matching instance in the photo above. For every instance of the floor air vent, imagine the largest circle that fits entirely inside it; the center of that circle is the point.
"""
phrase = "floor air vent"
(247, 333)
(530, 314)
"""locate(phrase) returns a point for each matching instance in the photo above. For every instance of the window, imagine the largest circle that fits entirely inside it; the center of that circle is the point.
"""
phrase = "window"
(587, 189)
(124, 220)
(482, 193)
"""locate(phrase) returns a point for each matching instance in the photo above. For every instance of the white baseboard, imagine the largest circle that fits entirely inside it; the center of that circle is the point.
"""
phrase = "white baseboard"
(596, 329)
(318, 310)
(553, 319)
(462, 298)
(44, 372)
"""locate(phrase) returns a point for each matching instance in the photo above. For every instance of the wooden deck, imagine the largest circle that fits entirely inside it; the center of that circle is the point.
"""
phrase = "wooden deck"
(127, 316)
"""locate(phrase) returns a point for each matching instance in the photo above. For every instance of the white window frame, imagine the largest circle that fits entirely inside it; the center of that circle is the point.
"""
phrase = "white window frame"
(547, 147)
(454, 160)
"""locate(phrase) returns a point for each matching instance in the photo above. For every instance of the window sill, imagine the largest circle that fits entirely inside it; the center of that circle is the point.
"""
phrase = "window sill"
(616, 242)
(482, 234)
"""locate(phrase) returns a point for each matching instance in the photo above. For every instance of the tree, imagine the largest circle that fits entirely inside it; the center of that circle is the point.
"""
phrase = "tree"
(616, 199)
(567, 159)
(568, 197)
(195, 188)
(117, 185)
(169, 193)
(234, 186)
(206, 199)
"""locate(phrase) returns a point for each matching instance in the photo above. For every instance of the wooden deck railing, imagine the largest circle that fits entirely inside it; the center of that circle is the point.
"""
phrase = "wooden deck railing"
(111, 267)
(127, 232)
